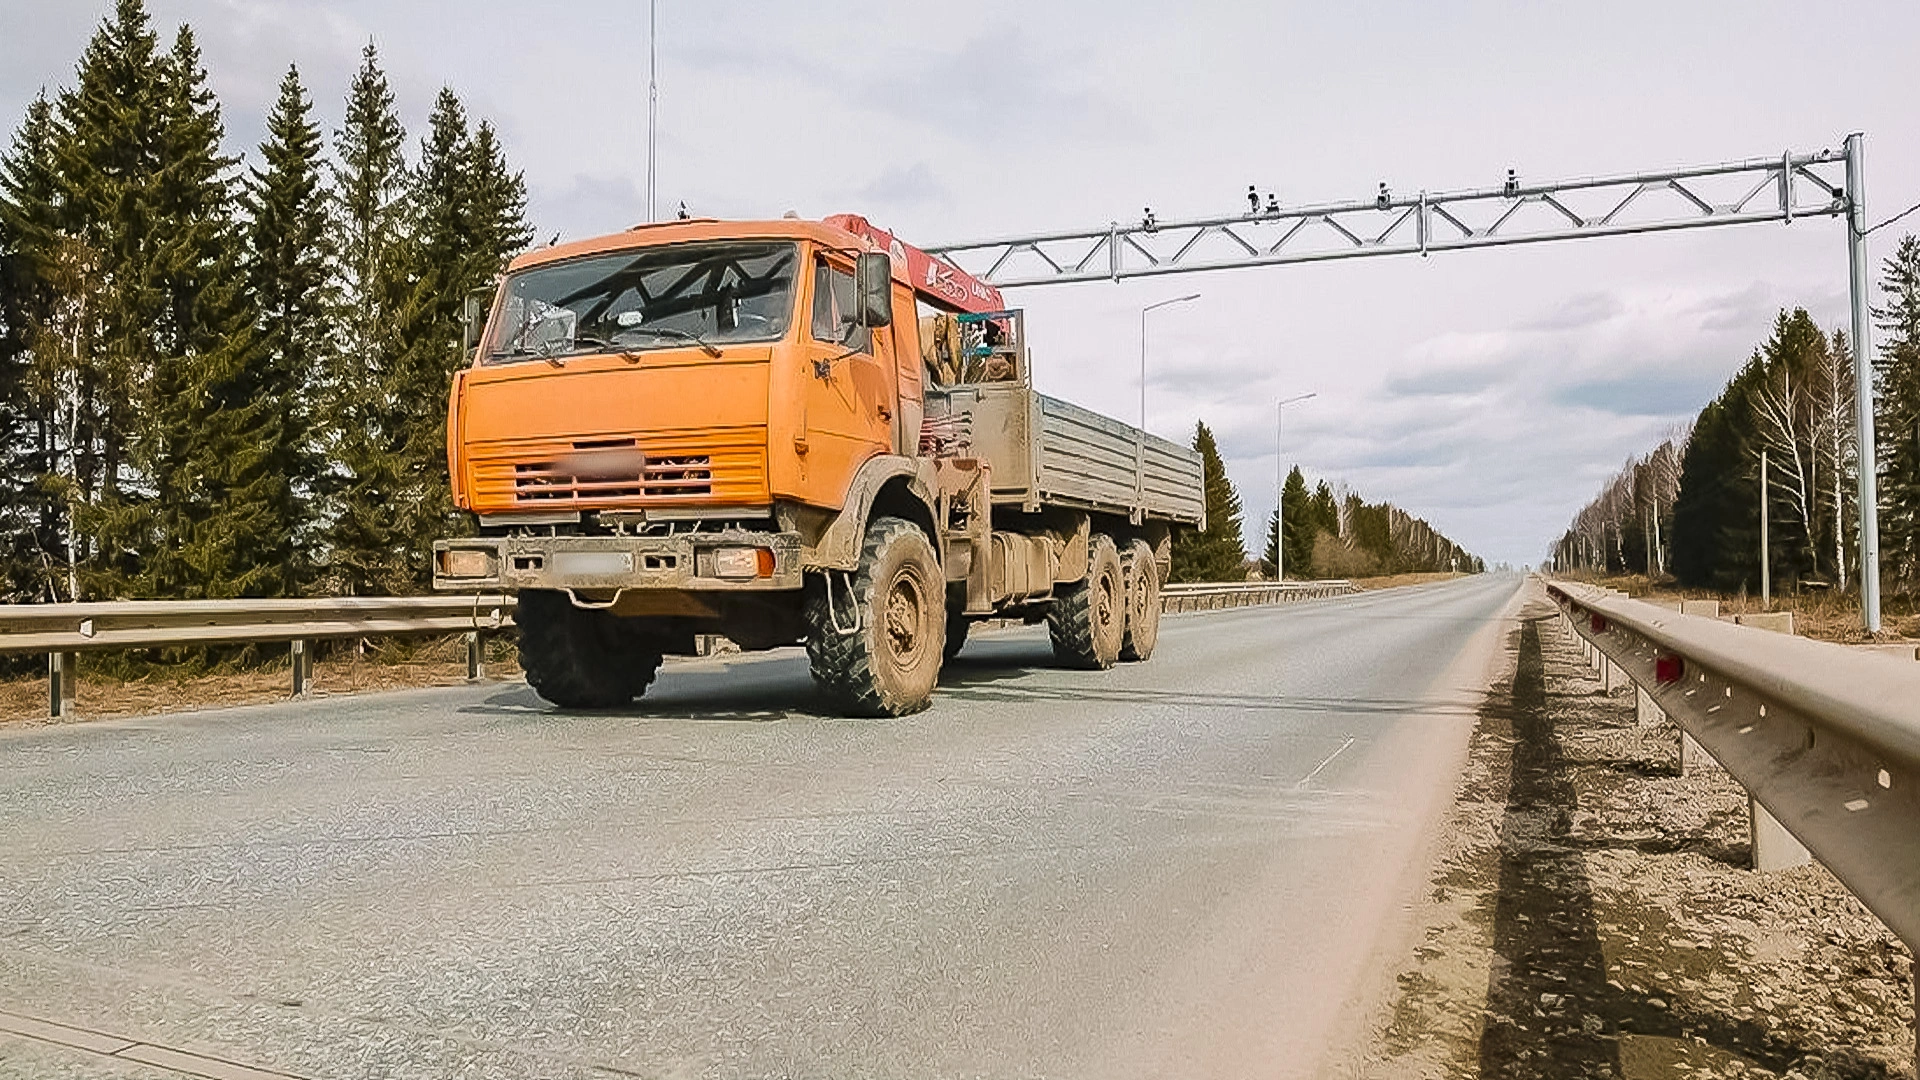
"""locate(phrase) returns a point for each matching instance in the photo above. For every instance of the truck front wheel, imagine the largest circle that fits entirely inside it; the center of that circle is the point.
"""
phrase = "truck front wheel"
(1143, 602)
(579, 658)
(875, 644)
(1087, 620)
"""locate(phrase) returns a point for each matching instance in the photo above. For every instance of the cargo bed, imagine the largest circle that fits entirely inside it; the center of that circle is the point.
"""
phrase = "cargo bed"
(1048, 452)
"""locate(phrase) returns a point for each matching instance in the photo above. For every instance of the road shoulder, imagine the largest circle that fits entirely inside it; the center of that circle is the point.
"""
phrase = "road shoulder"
(1591, 913)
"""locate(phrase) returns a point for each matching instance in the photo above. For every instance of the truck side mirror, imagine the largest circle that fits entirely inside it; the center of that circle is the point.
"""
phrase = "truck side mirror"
(473, 314)
(873, 280)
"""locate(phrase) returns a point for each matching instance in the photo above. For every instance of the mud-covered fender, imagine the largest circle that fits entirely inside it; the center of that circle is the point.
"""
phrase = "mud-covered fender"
(886, 483)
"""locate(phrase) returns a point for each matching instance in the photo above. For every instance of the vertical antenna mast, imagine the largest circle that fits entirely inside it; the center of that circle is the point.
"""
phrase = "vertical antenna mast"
(653, 100)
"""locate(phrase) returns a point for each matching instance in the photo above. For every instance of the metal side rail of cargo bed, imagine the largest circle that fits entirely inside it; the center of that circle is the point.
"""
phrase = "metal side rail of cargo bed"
(1826, 738)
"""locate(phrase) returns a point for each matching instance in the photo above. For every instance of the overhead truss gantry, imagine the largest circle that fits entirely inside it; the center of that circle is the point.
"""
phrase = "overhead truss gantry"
(1783, 188)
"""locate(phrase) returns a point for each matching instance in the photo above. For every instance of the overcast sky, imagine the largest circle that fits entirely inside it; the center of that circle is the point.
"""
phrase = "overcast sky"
(1490, 392)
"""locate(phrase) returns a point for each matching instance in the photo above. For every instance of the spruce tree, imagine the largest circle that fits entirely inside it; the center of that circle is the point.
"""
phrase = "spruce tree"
(1218, 551)
(1897, 423)
(440, 255)
(1716, 516)
(289, 278)
(209, 427)
(498, 208)
(33, 526)
(361, 438)
(109, 279)
(1299, 528)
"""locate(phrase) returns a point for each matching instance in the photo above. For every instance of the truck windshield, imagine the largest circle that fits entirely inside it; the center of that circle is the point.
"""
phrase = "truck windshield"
(663, 297)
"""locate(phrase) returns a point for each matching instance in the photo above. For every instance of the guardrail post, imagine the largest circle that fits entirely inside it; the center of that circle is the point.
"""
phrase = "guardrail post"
(1774, 848)
(476, 658)
(62, 683)
(1693, 756)
(302, 662)
(1645, 712)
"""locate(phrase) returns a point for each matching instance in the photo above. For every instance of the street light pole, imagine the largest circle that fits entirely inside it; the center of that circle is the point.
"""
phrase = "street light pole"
(653, 101)
(1280, 488)
(1140, 436)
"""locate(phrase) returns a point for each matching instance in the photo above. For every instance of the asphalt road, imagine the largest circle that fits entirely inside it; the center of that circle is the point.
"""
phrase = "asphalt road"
(1181, 868)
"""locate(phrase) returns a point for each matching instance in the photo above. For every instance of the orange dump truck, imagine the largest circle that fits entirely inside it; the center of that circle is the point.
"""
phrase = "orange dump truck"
(789, 432)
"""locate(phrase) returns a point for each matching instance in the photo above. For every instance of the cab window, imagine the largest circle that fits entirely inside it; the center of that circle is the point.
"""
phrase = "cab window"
(835, 309)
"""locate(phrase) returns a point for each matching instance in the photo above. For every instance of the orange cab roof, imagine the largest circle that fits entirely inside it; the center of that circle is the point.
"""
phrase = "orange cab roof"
(677, 232)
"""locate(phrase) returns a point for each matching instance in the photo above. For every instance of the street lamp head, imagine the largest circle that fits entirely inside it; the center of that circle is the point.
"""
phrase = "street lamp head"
(1173, 300)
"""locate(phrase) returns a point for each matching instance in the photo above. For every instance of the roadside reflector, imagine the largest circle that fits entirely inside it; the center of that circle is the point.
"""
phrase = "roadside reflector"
(1668, 668)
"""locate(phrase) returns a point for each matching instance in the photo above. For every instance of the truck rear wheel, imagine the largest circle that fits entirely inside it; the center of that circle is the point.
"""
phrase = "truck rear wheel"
(876, 646)
(1143, 602)
(579, 658)
(1088, 619)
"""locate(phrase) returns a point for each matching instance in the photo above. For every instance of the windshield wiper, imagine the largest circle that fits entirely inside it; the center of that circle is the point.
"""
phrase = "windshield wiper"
(523, 351)
(667, 331)
(625, 353)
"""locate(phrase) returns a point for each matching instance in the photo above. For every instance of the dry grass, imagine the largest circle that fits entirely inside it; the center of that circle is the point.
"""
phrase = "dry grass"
(1390, 581)
(1826, 615)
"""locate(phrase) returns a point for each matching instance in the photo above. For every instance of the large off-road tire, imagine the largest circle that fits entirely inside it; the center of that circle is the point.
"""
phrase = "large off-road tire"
(1088, 619)
(579, 658)
(957, 626)
(888, 665)
(1143, 602)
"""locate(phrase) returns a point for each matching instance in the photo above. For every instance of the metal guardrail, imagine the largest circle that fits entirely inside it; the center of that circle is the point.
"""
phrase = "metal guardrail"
(1212, 597)
(139, 624)
(63, 630)
(1824, 737)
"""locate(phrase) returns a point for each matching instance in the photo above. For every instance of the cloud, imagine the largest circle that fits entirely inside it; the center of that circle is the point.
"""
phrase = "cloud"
(1447, 381)
(1583, 310)
(895, 186)
(588, 205)
(994, 88)
(1662, 393)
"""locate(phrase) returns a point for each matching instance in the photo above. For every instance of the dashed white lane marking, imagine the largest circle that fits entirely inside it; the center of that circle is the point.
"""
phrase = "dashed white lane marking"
(1329, 760)
(184, 1062)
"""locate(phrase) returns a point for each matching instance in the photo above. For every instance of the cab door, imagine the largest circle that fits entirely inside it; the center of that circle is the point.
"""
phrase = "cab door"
(849, 384)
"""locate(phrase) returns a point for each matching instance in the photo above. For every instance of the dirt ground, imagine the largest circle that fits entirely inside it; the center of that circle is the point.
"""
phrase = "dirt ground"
(1822, 614)
(1591, 914)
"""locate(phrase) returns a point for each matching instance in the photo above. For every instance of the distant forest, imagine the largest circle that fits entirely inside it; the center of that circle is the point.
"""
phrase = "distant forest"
(222, 378)
(1691, 507)
(1329, 534)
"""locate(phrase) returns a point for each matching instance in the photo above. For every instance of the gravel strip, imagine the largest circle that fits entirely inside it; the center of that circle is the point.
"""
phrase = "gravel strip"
(1592, 914)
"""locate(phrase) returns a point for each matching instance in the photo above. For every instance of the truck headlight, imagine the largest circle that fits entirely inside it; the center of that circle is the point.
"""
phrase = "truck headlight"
(466, 563)
(742, 563)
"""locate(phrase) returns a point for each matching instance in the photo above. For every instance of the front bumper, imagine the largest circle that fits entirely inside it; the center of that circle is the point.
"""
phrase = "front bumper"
(686, 561)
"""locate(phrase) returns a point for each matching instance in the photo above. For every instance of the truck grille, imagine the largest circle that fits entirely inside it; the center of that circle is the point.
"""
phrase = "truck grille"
(602, 475)
(613, 473)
